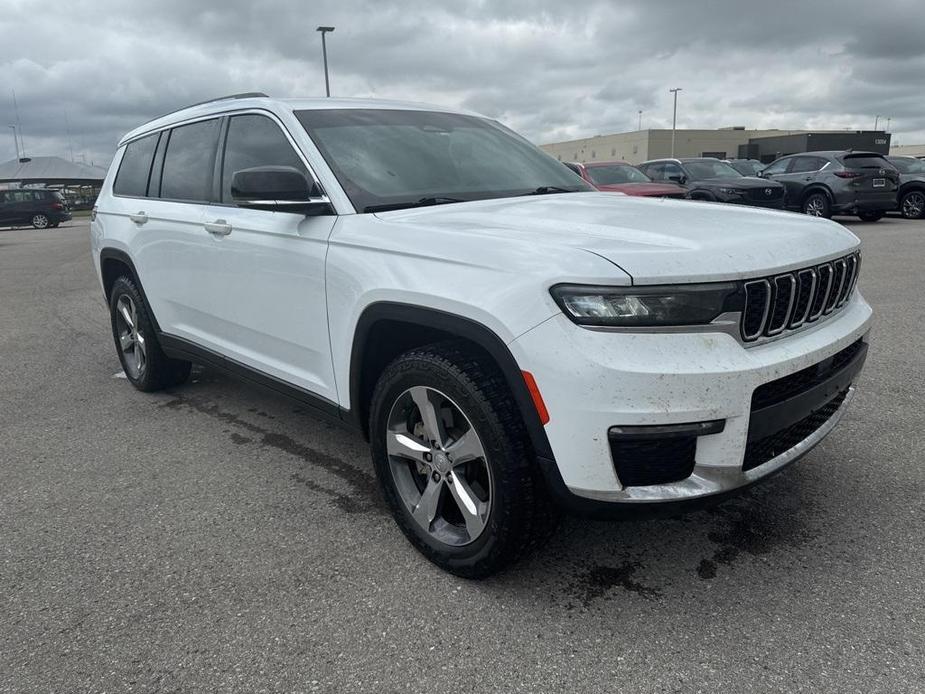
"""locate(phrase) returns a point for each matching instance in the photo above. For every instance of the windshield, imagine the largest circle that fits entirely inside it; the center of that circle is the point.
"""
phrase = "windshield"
(392, 158)
(706, 168)
(609, 174)
(747, 167)
(909, 166)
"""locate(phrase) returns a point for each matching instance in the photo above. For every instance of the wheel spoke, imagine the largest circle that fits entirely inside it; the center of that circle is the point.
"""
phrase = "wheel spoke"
(126, 341)
(426, 509)
(140, 340)
(467, 447)
(433, 425)
(404, 446)
(469, 505)
(139, 357)
(126, 315)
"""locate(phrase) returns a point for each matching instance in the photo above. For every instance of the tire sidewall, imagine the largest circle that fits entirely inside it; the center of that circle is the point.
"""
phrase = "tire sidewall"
(123, 287)
(406, 373)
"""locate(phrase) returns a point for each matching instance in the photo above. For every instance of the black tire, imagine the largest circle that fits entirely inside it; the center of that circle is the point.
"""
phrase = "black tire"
(912, 204)
(521, 516)
(54, 226)
(156, 371)
(817, 204)
(873, 216)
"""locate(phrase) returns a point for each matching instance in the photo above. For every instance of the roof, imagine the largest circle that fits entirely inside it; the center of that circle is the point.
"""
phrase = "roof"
(49, 170)
(238, 102)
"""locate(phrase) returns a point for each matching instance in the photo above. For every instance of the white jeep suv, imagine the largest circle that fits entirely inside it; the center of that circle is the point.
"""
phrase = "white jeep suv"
(510, 341)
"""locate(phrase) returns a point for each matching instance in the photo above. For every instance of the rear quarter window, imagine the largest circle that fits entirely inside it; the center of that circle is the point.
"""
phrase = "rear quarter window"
(135, 167)
(865, 161)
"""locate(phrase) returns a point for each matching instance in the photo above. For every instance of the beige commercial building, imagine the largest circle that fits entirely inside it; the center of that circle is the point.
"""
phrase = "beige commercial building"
(736, 142)
(908, 150)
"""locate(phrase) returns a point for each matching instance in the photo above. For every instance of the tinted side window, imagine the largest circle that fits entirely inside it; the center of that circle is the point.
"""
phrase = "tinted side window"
(653, 171)
(255, 141)
(778, 167)
(672, 169)
(807, 164)
(132, 178)
(189, 162)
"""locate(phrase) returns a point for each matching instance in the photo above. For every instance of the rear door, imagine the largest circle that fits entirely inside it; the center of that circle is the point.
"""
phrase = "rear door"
(803, 170)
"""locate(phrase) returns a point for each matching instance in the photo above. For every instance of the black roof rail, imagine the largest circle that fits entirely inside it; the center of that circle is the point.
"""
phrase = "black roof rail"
(242, 95)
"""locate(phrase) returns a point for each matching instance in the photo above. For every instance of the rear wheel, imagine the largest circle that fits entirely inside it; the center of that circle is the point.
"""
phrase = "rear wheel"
(912, 205)
(40, 221)
(452, 456)
(144, 363)
(873, 216)
(817, 205)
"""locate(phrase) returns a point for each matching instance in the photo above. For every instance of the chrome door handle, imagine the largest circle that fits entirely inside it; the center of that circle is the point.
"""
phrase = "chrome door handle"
(219, 227)
(139, 218)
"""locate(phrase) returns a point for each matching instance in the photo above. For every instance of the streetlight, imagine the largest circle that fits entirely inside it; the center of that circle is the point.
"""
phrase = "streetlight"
(324, 52)
(639, 127)
(876, 121)
(674, 118)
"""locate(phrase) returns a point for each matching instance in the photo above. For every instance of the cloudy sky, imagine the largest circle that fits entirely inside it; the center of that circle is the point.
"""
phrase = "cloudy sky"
(552, 70)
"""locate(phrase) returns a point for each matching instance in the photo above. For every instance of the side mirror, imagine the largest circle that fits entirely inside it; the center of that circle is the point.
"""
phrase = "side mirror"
(278, 188)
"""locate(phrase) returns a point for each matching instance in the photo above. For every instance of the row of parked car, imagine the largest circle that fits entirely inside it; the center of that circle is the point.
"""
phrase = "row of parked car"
(821, 184)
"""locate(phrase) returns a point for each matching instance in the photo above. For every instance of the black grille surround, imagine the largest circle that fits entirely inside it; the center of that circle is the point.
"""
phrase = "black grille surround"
(791, 300)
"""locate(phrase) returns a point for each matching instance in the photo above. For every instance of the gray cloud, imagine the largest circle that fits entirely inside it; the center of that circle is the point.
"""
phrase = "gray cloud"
(552, 70)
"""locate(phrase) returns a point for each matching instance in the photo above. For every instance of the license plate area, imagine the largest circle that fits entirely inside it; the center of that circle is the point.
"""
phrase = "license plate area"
(879, 183)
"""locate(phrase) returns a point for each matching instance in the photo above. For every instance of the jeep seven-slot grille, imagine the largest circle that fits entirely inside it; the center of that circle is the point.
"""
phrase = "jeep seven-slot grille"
(784, 302)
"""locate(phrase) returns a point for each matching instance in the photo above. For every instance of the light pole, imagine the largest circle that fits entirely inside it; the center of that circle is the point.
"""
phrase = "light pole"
(674, 118)
(888, 123)
(15, 141)
(876, 121)
(324, 52)
(640, 121)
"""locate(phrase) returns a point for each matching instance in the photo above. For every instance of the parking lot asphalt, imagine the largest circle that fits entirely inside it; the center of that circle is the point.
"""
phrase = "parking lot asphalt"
(219, 538)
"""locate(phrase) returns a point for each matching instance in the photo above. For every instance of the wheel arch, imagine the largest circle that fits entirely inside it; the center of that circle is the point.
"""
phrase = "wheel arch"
(395, 327)
(114, 263)
(909, 187)
(817, 188)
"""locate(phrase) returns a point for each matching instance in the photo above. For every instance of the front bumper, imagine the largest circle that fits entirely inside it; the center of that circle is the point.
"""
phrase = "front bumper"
(593, 380)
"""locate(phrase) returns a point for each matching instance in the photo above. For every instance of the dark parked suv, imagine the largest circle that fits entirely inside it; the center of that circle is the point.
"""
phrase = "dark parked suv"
(826, 183)
(714, 180)
(911, 186)
(40, 208)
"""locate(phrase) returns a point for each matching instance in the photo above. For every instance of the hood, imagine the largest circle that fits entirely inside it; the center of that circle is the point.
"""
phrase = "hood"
(744, 182)
(652, 189)
(652, 240)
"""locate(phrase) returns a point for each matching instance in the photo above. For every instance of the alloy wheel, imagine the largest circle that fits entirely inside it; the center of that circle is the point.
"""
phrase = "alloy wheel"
(439, 466)
(815, 206)
(913, 205)
(40, 221)
(131, 341)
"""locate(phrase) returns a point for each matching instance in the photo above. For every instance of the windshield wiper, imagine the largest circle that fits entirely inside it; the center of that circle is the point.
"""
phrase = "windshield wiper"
(423, 202)
(546, 190)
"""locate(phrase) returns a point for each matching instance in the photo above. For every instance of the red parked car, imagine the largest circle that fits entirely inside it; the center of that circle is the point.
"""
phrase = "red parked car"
(621, 177)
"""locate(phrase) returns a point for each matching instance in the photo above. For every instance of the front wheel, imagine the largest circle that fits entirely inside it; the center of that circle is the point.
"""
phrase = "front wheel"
(40, 221)
(874, 216)
(451, 453)
(912, 205)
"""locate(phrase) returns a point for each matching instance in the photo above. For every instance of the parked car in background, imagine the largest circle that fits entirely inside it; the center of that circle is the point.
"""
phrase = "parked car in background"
(826, 183)
(911, 197)
(746, 167)
(622, 177)
(714, 180)
(40, 208)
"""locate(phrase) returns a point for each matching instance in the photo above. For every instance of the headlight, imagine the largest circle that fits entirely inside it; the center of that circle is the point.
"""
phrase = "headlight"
(691, 304)
(732, 191)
